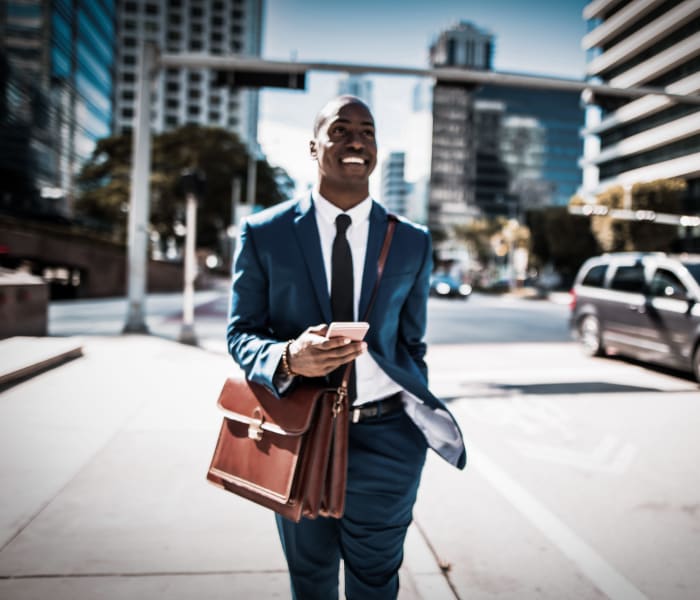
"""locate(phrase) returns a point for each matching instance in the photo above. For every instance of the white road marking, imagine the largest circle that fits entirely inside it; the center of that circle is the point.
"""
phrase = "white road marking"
(607, 457)
(601, 573)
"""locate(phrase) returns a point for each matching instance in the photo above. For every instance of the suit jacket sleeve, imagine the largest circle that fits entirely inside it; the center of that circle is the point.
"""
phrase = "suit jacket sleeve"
(414, 313)
(248, 333)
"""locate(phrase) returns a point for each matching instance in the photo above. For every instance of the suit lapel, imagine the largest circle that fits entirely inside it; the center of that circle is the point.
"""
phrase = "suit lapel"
(377, 230)
(307, 235)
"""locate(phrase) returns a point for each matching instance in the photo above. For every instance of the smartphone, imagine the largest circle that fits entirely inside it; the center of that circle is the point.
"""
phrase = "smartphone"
(355, 330)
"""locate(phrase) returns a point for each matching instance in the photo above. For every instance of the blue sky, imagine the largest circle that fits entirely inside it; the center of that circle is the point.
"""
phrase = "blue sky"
(531, 36)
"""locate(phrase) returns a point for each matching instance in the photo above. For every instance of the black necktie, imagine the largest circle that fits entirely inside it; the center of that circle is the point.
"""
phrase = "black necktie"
(342, 294)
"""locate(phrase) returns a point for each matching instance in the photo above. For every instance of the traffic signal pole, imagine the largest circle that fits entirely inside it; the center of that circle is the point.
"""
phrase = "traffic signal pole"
(139, 202)
(257, 72)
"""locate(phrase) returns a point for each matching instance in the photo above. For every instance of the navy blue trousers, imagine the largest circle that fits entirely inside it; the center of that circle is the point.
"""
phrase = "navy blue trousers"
(385, 460)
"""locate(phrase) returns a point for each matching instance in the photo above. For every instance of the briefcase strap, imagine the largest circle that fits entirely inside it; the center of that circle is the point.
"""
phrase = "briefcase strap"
(391, 226)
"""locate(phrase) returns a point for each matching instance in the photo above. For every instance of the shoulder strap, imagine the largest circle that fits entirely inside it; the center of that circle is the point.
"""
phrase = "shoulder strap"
(393, 219)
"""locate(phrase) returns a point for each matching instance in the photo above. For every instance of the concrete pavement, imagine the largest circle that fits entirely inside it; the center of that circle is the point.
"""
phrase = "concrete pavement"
(102, 471)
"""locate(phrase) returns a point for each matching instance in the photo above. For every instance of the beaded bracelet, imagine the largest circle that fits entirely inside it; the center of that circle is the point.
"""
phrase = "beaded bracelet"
(286, 370)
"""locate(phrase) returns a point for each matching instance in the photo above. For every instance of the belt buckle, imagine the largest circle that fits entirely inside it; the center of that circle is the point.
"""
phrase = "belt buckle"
(356, 415)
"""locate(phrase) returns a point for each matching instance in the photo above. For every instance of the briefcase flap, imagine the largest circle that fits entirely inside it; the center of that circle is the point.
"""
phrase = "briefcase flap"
(252, 404)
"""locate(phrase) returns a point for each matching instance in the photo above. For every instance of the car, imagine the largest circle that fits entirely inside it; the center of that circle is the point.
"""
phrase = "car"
(642, 305)
(443, 285)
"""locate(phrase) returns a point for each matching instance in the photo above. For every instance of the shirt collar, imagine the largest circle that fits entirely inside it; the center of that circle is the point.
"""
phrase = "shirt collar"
(329, 211)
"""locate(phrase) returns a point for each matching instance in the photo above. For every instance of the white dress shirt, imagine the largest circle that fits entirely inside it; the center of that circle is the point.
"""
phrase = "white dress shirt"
(372, 382)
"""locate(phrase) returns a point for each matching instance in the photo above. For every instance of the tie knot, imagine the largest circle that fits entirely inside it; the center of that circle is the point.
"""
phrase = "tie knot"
(342, 222)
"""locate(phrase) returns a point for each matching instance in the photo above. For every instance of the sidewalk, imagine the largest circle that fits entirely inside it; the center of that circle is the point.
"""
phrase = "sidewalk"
(103, 468)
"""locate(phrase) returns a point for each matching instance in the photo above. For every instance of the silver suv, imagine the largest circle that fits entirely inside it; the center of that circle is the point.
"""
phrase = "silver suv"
(644, 305)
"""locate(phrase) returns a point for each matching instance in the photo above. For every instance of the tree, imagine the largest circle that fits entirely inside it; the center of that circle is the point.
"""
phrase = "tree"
(219, 154)
(560, 239)
(659, 196)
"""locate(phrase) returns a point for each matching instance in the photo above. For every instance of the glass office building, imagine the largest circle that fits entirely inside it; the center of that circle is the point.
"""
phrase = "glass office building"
(63, 50)
(497, 151)
(540, 143)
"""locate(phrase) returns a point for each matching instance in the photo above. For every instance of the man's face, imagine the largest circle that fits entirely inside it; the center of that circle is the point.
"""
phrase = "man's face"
(345, 147)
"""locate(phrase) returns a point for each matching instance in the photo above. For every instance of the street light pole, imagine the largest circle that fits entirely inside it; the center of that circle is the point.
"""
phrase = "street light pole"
(193, 185)
(187, 333)
(139, 203)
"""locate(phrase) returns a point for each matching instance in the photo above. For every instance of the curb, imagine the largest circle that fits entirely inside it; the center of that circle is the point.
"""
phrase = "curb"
(23, 357)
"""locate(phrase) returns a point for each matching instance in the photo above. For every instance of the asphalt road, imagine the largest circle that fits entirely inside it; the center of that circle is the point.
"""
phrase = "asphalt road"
(480, 319)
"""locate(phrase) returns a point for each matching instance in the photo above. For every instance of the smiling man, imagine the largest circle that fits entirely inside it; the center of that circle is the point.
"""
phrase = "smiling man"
(301, 265)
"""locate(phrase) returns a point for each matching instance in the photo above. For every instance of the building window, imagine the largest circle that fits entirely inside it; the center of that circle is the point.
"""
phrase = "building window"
(171, 121)
(214, 116)
(127, 113)
(172, 86)
(128, 77)
(192, 111)
(151, 9)
(195, 77)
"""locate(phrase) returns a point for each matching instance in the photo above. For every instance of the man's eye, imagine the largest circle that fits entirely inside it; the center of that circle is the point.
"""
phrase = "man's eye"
(369, 133)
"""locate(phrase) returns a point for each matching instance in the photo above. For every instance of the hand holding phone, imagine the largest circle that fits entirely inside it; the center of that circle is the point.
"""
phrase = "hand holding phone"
(354, 330)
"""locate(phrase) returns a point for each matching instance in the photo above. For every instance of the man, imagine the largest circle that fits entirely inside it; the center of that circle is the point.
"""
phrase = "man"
(286, 290)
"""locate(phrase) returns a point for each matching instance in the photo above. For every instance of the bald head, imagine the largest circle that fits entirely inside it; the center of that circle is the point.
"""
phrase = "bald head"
(332, 108)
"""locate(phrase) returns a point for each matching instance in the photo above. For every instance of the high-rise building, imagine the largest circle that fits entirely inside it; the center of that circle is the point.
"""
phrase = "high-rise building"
(540, 144)
(628, 141)
(183, 96)
(394, 186)
(356, 85)
(497, 151)
(63, 51)
(453, 164)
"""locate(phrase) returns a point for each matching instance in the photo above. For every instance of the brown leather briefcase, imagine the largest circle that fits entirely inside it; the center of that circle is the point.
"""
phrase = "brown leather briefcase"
(286, 454)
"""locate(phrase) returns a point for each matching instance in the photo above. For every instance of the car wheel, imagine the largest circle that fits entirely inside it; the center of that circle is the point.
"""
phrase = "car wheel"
(589, 334)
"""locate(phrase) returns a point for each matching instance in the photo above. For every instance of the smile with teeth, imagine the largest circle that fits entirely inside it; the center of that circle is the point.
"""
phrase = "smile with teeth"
(355, 160)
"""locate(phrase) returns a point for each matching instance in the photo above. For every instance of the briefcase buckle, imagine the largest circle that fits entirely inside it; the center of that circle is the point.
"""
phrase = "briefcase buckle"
(255, 431)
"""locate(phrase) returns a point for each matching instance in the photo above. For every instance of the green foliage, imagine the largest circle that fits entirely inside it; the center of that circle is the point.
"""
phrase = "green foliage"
(561, 239)
(660, 196)
(219, 154)
(478, 236)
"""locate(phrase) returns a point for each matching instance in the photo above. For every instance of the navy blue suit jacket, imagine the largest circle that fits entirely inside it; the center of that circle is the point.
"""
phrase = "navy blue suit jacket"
(280, 289)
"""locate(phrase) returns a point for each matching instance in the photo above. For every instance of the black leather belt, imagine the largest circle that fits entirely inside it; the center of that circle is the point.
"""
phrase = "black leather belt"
(378, 408)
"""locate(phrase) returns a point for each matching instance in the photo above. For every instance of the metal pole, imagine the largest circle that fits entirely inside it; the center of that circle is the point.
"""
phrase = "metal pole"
(252, 176)
(233, 229)
(139, 204)
(187, 334)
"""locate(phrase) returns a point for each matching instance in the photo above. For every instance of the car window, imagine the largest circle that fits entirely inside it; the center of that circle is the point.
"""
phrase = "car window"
(629, 278)
(694, 269)
(595, 276)
(666, 285)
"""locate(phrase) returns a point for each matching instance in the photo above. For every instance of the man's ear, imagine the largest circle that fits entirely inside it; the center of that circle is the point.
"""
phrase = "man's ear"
(312, 149)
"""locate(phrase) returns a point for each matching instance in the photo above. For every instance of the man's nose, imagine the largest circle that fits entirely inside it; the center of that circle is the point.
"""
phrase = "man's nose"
(355, 140)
